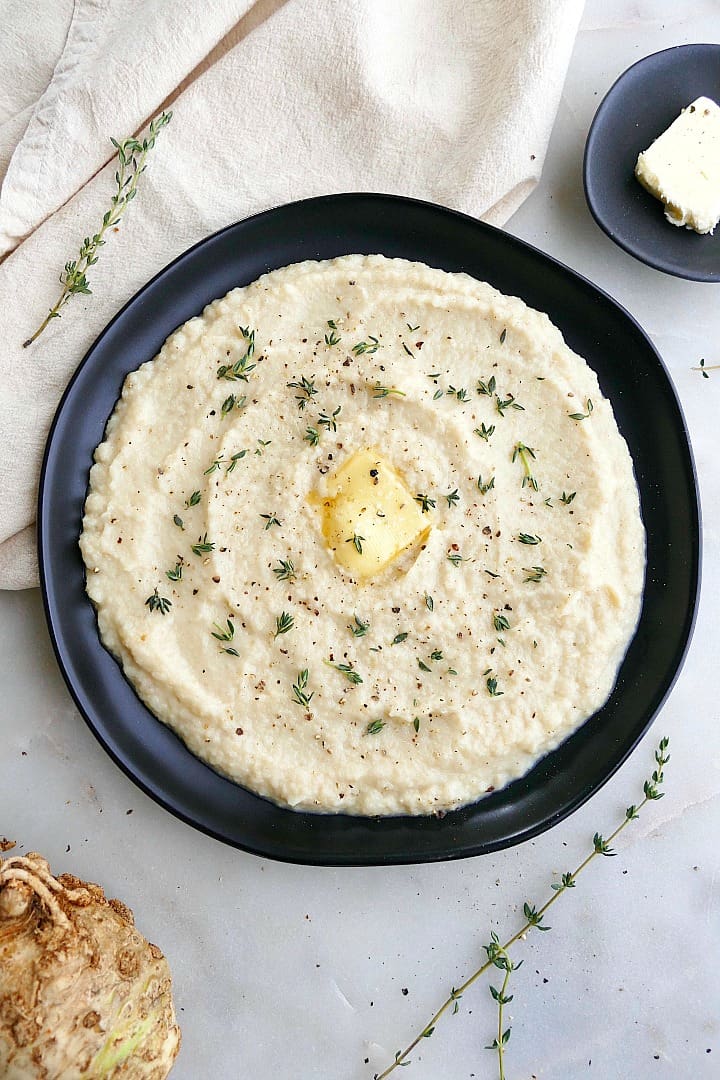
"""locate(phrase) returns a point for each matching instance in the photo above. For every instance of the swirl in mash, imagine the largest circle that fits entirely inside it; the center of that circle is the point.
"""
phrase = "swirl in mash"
(366, 536)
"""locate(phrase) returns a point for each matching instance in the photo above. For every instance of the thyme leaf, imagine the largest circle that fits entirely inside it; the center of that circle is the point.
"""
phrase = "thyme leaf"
(203, 546)
(348, 671)
(374, 727)
(359, 628)
(585, 415)
(158, 603)
(285, 570)
(300, 695)
(484, 432)
(283, 623)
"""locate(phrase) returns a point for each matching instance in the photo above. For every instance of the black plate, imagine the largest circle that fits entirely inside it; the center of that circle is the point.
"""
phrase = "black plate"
(631, 375)
(640, 106)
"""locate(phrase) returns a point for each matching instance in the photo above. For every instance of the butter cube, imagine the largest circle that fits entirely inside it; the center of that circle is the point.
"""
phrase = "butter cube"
(682, 167)
(369, 515)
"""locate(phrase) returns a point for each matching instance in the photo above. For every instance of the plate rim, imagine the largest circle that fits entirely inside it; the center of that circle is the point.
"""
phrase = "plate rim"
(656, 263)
(443, 851)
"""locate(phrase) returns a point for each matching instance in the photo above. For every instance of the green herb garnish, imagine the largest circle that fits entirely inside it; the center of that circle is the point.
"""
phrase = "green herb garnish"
(347, 670)
(299, 690)
(370, 346)
(131, 156)
(374, 727)
(357, 541)
(203, 546)
(360, 628)
(525, 453)
(484, 432)
(498, 955)
(158, 603)
(285, 570)
(307, 390)
(283, 623)
(329, 422)
(585, 415)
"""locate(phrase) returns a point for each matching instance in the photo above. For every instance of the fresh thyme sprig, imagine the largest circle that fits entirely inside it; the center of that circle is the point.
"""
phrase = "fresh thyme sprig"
(567, 499)
(307, 390)
(455, 558)
(224, 634)
(158, 603)
(370, 346)
(498, 954)
(329, 421)
(270, 520)
(203, 546)
(300, 695)
(131, 157)
(240, 370)
(525, 453)
(425, 502)
(704, 368)
(347, 670)
(486, 389)
(508, 403)
(484, 432)
(283, 623)
(357, 541)
(458, 392)
(374, 727)
(285, 570)
(385, 391)
(358, 628)
(535, 573)
(232, 402)
(332, 338)
(234, 458)
(585, 415)
(485, 486)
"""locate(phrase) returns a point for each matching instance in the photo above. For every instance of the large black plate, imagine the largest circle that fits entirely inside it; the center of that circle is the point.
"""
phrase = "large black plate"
(631, 375)
(638, 107)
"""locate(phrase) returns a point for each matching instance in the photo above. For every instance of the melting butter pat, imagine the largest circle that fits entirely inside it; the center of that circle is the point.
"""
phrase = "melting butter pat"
(682, 167)
(369, 515)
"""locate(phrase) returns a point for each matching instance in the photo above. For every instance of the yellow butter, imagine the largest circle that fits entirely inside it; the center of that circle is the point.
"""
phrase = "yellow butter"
(369, 517)
(682, 167)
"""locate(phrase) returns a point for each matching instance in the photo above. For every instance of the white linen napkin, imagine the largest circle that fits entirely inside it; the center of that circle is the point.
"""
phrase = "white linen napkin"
(273, 100)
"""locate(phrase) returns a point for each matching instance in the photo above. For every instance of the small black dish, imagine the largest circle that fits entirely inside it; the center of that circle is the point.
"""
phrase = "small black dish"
(631, 374)
(640, 106)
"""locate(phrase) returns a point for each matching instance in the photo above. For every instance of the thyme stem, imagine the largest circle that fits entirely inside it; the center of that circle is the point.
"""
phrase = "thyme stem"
(534, 918)
(131, 155)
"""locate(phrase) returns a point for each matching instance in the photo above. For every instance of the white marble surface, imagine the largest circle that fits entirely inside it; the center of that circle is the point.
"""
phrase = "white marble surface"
(285, 971)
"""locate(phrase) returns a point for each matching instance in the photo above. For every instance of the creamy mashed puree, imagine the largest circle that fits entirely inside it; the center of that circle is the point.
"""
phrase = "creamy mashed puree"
(366, 536)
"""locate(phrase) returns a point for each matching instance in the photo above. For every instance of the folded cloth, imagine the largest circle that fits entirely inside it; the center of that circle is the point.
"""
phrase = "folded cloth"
(273, 101)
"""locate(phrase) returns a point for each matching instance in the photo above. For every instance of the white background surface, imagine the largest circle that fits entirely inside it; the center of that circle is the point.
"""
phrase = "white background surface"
(284, 971)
